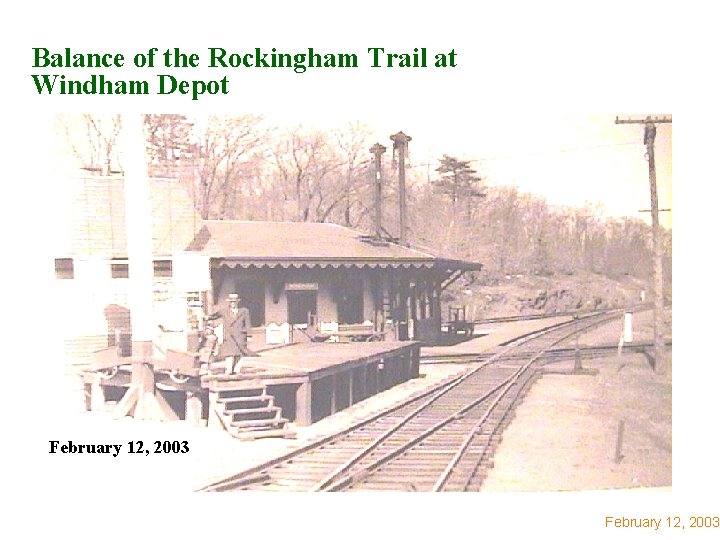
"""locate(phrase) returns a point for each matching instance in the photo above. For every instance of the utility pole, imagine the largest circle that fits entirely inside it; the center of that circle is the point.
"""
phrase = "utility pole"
(400, 141)
(378, 150)
(649, 141)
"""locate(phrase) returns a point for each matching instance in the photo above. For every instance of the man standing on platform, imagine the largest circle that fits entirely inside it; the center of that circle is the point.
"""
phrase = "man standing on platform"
(236, 326)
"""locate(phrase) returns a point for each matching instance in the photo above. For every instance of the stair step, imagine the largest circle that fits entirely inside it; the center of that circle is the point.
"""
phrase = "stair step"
(249, 436)
(243, 392)
(265, 408)
(245, 400)
(256, 416)
(264, 414)
(231, 377)
(255, 410)
(228, 384)
(248, 403)
(231, 408)
(259, 422)
(256, 429)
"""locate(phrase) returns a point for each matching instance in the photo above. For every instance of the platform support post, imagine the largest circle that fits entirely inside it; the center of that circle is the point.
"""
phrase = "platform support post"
(360, 390)
(415, 368)
(364, 374)
(193, 408)
(213, 418)
(303, 404)
(372, 383)
(352, 383)
(97, 395)
(333, 393)
(143, 377)
(163, 407)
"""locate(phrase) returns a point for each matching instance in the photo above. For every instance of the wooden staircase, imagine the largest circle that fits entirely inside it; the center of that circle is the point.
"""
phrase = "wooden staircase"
(245, 409)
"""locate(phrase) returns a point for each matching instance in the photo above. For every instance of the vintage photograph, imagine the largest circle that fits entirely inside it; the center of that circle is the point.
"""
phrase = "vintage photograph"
(308, 303)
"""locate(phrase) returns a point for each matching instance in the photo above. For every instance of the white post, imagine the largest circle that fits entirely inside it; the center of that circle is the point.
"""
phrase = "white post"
(628, 328)
(138, 227)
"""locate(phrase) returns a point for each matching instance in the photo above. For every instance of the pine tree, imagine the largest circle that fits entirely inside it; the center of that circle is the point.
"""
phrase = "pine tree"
(169, 144)
(458, 179)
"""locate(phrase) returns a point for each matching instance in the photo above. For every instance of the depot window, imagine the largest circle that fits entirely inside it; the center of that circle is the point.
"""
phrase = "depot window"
(64, 269)
(119, 269)
(162, 268)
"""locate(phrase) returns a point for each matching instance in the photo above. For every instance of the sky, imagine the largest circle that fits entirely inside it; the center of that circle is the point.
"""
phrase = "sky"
(571, 160)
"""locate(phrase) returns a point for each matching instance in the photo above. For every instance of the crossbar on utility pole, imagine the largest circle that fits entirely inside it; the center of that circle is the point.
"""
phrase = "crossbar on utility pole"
(658, 314)
(650, 119)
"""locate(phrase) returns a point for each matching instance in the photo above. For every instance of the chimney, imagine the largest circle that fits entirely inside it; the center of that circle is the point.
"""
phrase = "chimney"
(400, 141)
(378, 150)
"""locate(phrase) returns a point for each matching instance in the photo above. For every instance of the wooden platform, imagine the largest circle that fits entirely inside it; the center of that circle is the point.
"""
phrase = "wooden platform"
(307, 381)
(313, 380)
(317, 360)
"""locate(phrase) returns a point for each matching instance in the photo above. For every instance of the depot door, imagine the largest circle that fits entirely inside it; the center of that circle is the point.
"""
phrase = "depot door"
(350, 302)
(302, 306)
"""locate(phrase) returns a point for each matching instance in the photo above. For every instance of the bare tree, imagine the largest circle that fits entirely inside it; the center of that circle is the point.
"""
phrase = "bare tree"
(93, 141)
(307, 166)
(503, 228)
(353, 144)
(537, 234)
(170, 146)
(228, 150)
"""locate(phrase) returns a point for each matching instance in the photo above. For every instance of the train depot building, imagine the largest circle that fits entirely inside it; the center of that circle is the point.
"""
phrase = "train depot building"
(321, 277)
(336, 315)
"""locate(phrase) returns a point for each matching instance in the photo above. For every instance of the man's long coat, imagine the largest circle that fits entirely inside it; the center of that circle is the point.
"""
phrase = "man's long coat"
(236, 327)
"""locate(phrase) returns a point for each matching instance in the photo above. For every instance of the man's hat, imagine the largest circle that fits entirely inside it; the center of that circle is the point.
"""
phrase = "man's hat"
(233, 297)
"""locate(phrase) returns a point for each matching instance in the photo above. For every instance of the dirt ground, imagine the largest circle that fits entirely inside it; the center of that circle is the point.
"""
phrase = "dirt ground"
(579, 432)
(610, 429)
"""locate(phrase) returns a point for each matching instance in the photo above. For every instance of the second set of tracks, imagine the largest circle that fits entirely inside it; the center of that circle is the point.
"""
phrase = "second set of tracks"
(442, 439)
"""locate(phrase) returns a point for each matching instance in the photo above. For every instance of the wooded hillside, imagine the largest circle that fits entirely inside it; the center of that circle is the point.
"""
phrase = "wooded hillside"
(241, 168)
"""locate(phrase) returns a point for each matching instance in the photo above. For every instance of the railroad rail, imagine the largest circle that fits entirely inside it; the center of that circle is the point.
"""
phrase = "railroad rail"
(551, 355)
(570, 313)
(441, 439)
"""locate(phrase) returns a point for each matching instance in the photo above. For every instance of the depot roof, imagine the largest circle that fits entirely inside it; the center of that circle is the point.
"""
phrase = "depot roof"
(271, 244)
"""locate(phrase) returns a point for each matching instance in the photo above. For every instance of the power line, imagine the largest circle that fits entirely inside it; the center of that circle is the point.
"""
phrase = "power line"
(561, 151)
(547, 153)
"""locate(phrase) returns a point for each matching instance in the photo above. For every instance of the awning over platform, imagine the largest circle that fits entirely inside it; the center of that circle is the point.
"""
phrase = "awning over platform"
(232, 262)
(263, 244)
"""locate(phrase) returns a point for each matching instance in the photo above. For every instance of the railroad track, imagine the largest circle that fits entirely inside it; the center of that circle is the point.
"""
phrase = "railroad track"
(552, 355)
(442, 439)
(537, 316)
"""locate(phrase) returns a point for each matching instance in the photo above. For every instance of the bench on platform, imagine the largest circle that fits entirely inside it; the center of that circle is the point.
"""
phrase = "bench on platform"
(357, 332)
